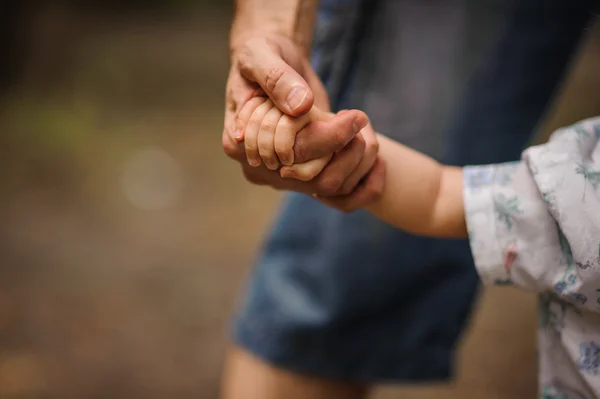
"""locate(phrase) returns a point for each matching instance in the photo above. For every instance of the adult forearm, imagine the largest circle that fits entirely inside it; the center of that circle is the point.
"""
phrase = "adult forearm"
(291, 18)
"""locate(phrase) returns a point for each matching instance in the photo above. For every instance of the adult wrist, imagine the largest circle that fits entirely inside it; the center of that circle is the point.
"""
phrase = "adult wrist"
(293, 20)
(273, 35)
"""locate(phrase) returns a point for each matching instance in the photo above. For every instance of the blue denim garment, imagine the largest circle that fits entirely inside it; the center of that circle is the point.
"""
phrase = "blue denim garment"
(346, 296)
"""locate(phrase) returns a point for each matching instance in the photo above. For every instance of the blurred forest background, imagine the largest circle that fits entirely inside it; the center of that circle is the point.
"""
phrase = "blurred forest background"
(126, 234)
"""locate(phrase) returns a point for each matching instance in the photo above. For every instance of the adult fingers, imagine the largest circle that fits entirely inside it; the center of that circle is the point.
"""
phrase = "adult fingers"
(370, 189)
(332, 176)
(367, 162)
(343, 164)
(260, 62)
(322, 138)
(263, 176)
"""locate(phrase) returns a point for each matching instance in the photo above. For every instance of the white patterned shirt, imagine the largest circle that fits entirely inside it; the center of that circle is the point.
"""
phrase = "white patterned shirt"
(536, 224)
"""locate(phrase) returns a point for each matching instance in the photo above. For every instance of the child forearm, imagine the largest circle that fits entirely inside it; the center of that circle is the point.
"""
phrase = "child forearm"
(420, 196)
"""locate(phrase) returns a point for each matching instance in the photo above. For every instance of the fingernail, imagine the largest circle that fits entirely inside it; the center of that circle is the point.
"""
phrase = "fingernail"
(238, 135)
(287, 173)
(296, 97)
(358, 124)
(253, 162)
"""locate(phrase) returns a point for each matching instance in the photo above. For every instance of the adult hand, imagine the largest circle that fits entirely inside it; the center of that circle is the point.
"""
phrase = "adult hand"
(273, 66)
(353, 178)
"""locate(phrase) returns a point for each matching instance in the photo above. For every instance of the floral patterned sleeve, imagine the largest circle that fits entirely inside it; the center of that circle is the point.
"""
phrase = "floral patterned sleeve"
(536, 223)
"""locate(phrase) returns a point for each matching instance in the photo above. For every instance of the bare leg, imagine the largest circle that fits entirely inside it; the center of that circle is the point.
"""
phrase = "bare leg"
(247, 377)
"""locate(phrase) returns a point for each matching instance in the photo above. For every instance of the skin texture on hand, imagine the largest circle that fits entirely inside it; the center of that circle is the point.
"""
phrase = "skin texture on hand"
(269, 134)
(274, 66)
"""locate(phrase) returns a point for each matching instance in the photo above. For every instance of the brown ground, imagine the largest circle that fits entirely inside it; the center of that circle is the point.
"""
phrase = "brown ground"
(106, 295)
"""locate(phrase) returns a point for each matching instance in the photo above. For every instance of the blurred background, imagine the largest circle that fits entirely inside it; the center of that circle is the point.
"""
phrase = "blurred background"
(126, 234)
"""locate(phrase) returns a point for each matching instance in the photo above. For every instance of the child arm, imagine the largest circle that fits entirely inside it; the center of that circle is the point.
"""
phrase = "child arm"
(533, 223)
(420, 195)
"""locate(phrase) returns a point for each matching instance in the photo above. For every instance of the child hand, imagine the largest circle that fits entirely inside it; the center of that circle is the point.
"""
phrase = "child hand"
(344, 160)
(269, 134)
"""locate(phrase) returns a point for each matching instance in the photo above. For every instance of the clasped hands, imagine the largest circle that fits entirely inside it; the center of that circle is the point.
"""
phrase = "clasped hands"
(278, 127)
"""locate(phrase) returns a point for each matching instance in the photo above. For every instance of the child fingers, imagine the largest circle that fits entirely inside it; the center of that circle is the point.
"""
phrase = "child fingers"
(266, 135)
(285, 136)
(242, 118)
(306, 171)
(251, 133)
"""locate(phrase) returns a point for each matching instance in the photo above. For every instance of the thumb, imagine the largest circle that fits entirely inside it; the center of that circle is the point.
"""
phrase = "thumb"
(285, 87)
(305, 171)
(323, 138)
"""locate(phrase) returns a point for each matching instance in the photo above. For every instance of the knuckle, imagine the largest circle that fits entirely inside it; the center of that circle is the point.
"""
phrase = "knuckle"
(243, 56)
(239, 121)
(269, 125)
(273, 77)
(230, 103)
(230, 148)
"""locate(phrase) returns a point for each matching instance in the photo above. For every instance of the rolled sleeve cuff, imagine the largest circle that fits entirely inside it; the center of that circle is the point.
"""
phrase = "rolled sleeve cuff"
(488, 239)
